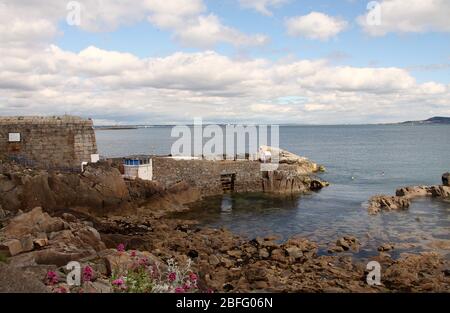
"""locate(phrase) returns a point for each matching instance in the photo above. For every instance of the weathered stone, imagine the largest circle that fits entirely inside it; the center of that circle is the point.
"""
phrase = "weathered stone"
(16, 280)
(62, 142)
(32, 222)
(294, 252)
(263, 253)
(27, 243)
(386, 247)
(387, 203)
(11, 247)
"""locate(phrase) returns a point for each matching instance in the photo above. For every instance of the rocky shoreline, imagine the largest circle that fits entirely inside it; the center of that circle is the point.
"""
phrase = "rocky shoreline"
(120, 232)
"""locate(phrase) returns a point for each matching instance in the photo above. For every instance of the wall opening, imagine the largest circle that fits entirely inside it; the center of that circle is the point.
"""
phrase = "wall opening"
(227, 181)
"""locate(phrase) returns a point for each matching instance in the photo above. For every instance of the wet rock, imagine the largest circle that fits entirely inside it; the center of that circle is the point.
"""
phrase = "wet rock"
(294, 252)
(424, 191)
(318, 184)
(413, 192)
(387, 203)
(446, 179)
(385, 247)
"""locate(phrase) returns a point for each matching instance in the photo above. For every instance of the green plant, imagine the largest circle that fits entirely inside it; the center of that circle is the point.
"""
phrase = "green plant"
(3, 257)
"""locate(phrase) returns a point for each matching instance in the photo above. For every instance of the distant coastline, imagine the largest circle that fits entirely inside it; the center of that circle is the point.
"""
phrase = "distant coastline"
(439, 120)
(436, 120)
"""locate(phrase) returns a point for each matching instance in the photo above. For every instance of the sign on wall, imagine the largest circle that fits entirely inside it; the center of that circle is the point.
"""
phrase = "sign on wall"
(14, 137)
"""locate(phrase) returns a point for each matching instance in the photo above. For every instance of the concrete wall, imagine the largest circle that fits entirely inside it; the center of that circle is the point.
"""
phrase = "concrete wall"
(206, 175)
(49, 142)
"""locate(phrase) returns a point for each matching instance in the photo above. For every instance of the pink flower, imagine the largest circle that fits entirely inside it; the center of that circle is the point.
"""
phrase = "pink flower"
(88, 273)
(121, 247)
(193, 277)
(118, 282)
(179, 290)
(210, 290)
(143, 261)
(52, 278)
(172, 276)
(186, 286)
(133, 253)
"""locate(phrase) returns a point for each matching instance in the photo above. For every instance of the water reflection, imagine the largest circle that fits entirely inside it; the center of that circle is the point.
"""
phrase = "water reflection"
(227, 204)
(320, 218)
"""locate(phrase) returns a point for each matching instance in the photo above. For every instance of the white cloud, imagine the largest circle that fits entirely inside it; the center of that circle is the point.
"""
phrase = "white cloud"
(315, 25)
(413, 16)
(262, 6)
(110, 85)
(188, 20)
(207, 31)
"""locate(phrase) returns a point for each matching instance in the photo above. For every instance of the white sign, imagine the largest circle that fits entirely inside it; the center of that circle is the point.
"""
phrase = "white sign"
(14, 137)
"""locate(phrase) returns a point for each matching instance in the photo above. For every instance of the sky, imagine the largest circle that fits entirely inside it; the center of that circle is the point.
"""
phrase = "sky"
(243, 61)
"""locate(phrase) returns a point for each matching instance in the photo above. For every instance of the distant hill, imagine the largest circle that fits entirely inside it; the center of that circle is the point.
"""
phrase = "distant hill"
(433, 120)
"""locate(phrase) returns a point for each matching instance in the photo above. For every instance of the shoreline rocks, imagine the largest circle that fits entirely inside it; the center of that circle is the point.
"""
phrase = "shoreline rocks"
(387, 203)
(224, 262)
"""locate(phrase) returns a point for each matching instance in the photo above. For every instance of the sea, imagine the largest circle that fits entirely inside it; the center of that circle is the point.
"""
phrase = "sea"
(360, 161)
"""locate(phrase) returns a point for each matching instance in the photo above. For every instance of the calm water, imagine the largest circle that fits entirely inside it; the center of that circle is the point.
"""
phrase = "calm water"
(361, 161)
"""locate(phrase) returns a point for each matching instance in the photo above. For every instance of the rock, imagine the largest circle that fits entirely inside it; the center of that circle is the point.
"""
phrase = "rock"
(346, 243)
(40, 242)
(263, 253)
(118, 262)
(278, 255)
(385, 247)
(11, 247)
(255, 273)
(69, 217)
(98, 286)
(335, 248)
(424, 191)
(387, 203)
(27, 243)
(413, 192)
(445, 179)
(235, 253)
(294, 252)
(318, 184)
(15, 280)
(32, 223)
(213, 260)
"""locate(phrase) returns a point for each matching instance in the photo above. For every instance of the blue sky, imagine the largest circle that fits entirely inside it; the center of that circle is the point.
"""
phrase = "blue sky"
(423, 54)
(227, 60)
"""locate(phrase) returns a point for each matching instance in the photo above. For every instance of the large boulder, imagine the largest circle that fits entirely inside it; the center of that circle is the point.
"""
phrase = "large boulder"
(99, 187)
(446, 179)
(15, 280)
(387, 203)
(34, 222)
(37, 238)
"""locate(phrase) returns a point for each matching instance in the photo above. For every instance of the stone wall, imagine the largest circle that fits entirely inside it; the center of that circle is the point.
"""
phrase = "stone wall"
(49, 142)
(206, 175)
